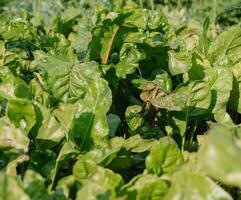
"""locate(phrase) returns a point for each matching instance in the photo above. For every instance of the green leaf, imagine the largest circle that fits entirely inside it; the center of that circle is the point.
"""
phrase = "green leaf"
(138, 145)
(146, 19)
(97, 181)
(221, 84)
(11, 189)
(63, 84)
(200, 98)
(65, 114)
(204, 41)
(211, 95)
(66, 153)
(66, 183)
(50, 133)
(81, 85)
(179, 63)
(165, 82)
(191, 185)
(105, 152)
(48, 130)
(19, 29)
(165, 157)
(218, 156)
(225, 50)
(34, 185)
(83, 169)
(103, 41)
(15, 160)
(144, 187)
(12, 137)
(107, 45)
(21, 112)
(133, 117)
(11, 86)
(40, 95)
(235, 98)
(129, 60)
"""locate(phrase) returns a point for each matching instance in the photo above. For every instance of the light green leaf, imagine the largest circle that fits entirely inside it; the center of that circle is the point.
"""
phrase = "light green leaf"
(81, 85)
(138, 145)
(39, 93)
(145, 187)
(193, 186)
(97, 181)
(65, 114)
(103, 41)
(11, 86)
(83, 169)
(34, 185)
(200, 98)
(48, 130)
(63, 84)
(235, 98)
(221, 84)
(225, 50)
(11, 189)
(12, 137)
(19, 29)
(66, 183)
(218, 156)
(204, 41)
(146, 19)
(67, 151)
(129, 60)
(50, 133)
(21, 112)
(11, 168)
(133, 117)
(179, 63)
(165, 157)
(165, 82)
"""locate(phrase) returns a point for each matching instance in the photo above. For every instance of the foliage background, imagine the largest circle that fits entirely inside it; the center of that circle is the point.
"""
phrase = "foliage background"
(121, 99)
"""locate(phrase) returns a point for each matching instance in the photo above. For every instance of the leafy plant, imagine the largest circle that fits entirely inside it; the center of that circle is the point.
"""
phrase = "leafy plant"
(125, 99)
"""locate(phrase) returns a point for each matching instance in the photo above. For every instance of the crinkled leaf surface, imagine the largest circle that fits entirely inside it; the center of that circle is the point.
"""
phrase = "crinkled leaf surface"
(146, 187)
(97, 181)
(179, 63)
(82, 85)
(21, 112)
(130, 57)
(221, 82)
(226, 48)
(103, 99)
(12, 137)
(165, 157)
